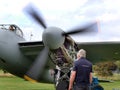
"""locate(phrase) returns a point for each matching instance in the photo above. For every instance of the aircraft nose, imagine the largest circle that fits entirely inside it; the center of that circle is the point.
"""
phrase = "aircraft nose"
(53, 38)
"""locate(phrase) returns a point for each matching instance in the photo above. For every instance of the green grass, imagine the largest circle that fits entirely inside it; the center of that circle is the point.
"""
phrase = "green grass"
(15, 83)
(111, 85)
(9, 82)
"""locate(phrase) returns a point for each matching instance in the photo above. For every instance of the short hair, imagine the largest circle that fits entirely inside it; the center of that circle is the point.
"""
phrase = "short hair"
(81, 53)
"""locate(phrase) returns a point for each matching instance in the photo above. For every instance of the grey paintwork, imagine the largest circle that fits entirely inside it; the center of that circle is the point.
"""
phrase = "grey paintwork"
(53, 38)
(101, 51)
(13, 59)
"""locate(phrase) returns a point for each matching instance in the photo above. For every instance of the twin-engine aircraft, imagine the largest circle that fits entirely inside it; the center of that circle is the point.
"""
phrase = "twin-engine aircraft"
(51, 59)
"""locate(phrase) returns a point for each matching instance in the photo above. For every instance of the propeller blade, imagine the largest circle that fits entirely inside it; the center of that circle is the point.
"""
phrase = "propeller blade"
(33, 13)
(86, 29)
(38, 66)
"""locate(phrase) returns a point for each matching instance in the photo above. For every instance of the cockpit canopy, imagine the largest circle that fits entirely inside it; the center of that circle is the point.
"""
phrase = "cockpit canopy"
(12, 27)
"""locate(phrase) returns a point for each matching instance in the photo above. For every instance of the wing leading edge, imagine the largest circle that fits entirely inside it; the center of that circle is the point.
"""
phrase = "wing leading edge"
(31, 49)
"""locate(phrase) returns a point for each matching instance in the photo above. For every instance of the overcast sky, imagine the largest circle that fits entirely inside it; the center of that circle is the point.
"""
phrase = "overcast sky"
(65, 14)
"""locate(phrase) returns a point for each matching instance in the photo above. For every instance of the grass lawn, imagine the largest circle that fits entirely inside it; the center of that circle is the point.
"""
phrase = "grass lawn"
(15, 83)
(10, 82)
(111, 85)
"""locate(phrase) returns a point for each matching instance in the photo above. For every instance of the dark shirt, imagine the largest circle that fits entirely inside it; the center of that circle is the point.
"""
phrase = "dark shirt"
(83, 68)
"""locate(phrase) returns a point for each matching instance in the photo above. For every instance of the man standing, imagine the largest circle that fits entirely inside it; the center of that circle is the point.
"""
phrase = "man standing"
(81, 75)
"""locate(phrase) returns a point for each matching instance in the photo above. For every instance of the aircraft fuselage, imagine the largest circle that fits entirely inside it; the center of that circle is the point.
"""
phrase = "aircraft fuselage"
(11, 58)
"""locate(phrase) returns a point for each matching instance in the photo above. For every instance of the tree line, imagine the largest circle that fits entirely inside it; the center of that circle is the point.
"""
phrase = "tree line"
(106, 68)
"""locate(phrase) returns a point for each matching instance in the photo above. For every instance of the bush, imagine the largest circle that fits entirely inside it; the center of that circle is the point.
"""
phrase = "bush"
(105, 68)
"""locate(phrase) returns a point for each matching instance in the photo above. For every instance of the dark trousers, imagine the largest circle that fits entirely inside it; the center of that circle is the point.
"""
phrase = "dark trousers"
(81, 87)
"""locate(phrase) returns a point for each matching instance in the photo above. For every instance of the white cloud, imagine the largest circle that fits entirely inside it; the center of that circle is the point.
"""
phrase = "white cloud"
(108, 17)
(12, 6)
(111, 4)
(59, 4)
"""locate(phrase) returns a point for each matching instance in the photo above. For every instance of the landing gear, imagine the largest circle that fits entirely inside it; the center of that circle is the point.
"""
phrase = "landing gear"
(61, 78)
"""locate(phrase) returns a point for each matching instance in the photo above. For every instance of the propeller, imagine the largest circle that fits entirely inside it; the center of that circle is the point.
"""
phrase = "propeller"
(33, 13)
(38, 66)
(89, 28)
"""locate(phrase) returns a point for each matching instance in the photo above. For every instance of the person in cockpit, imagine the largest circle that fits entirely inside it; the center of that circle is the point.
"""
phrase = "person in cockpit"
(12, 28)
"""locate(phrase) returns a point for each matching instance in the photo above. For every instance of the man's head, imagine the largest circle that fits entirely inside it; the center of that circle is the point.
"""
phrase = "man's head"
(11, 27)
(81, 53)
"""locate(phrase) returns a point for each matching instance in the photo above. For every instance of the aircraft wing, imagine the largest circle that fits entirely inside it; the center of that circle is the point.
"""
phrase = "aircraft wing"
(31, 49)
(101, 51)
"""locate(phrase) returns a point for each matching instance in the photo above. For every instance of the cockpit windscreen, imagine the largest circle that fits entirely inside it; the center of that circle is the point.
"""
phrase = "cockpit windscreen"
(13, 28)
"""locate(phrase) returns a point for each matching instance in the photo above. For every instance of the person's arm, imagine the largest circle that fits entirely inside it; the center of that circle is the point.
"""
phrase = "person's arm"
(72, 78)
(91, 78)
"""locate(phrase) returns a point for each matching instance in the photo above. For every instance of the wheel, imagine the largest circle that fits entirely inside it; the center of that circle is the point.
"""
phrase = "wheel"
(62, 85)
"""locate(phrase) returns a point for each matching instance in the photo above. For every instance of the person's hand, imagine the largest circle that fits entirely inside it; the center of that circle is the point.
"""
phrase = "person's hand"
(70, 88)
